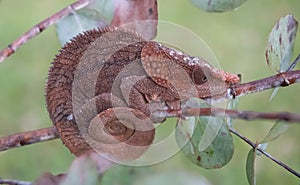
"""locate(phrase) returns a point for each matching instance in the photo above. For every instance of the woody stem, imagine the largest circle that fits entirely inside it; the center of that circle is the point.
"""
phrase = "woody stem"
(279, 80)
(27, 138)
(254, 145)
(38, 28)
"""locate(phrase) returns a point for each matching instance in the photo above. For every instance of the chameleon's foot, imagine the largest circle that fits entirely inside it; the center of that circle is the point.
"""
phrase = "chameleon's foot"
(120, 133)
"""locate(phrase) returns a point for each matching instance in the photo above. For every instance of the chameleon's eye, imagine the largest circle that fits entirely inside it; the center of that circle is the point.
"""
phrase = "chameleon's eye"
(198, 76)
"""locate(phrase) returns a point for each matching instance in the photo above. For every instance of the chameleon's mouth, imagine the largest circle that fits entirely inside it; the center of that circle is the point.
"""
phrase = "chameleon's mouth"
(217, 93)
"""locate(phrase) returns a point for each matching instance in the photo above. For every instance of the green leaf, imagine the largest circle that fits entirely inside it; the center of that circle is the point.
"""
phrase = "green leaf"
(250, 167)
(82, 172)
(278, 129)
(126, 175)
(104, 9)
(262, 146)
(97, 14)
(280, 46)
(206, 141)
(172, 177)
(232, 104)
(218, 5)
(274, 92)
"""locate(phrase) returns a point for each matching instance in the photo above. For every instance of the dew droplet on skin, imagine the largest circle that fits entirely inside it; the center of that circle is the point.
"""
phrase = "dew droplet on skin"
(230, 93)
(172, 53)
(179, 52)
(186, 58)
(192, 60)
(70, 117)
(195, 59)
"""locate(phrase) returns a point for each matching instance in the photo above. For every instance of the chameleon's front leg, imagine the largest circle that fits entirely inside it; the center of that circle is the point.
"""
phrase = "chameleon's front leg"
(143, 94)
(117, 132)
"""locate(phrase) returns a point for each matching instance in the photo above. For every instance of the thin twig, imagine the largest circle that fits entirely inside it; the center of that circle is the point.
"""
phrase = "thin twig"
(45, 134)
(212, 111)
(293, 65)
(254, 145)
(27, 138)
(14, 182)
(41, 26)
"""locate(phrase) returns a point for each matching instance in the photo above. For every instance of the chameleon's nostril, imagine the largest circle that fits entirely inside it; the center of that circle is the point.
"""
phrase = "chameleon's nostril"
(240, 76)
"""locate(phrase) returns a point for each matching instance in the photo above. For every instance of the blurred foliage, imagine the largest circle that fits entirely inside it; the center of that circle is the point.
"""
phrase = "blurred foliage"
(281, 44)
(250, 167)
(238, 39)
(218, 5)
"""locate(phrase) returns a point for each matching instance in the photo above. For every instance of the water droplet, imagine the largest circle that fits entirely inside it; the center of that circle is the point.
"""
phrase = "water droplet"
(70, 117)
(172, 53)
(179, 52)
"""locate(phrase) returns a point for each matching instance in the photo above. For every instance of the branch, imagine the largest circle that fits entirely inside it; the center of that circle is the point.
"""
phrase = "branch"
(14, 182)
(279, 80)
(41, 26)
(45, 134)
(254, 145)
(27, 138)
(245, 115)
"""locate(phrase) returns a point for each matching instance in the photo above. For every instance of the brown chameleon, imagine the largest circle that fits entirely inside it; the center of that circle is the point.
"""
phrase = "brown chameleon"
(104, 84)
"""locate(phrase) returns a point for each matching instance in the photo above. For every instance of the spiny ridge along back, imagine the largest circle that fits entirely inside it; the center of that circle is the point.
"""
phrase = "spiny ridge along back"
(78, 44)
(86, 37)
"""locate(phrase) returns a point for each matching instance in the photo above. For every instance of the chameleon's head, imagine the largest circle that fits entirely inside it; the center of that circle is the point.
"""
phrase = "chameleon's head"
(188, 76)
(208, 80)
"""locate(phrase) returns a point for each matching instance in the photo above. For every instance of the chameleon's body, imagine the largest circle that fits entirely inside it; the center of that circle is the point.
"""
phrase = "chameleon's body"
(136, 75)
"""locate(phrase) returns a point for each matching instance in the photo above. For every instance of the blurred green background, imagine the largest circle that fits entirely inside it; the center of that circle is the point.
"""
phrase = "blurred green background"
(237, 38)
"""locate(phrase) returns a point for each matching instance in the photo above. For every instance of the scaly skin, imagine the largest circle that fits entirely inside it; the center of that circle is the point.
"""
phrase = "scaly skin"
(132, 73)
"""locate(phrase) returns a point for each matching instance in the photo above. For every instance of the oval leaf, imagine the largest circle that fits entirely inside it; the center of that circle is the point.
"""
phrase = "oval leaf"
(278, 129)
(262, 146)
(82, 171)
(232, 104)
(207, 142)
(142, 21)
(274, 92)
(97, 14)
(218, 5)
(125, 175)
(281, 44)
(250, 172)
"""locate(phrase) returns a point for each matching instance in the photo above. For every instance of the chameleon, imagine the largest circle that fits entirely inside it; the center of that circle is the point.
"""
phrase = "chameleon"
(106, 72)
